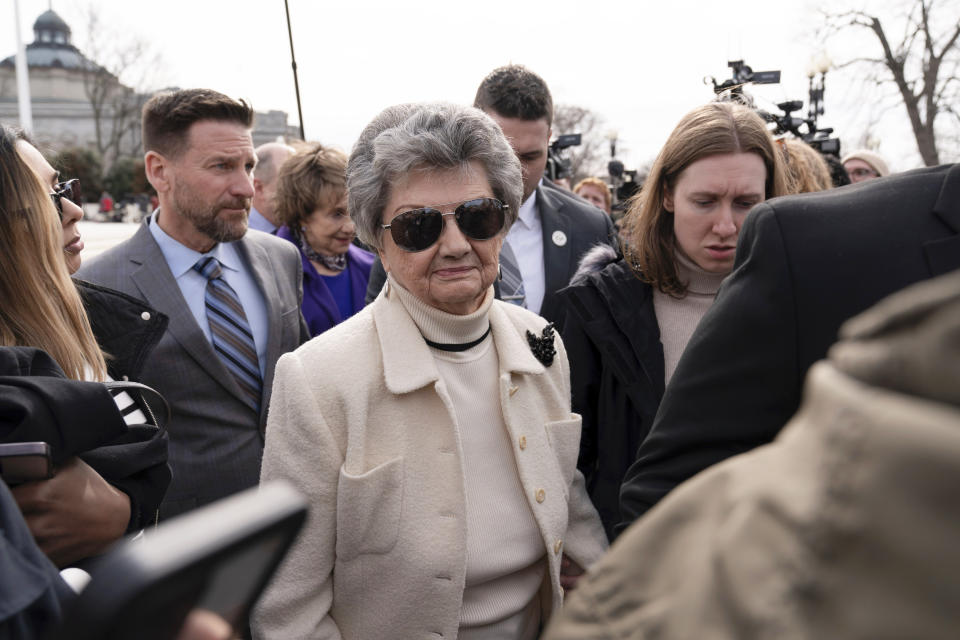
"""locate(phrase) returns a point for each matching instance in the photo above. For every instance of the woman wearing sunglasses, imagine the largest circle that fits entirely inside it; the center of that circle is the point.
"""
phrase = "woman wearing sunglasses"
(77, 513)
(432, 431)
(626, 321)
(311, 204)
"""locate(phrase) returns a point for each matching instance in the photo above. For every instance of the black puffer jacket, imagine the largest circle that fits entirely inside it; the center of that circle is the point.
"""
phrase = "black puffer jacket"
(610, 331)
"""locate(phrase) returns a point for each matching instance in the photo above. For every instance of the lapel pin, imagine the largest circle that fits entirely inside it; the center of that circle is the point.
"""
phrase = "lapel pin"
(559, 238)
(542, 347)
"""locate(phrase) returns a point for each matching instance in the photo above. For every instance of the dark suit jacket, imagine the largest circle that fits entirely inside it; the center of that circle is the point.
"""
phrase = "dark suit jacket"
(804, 265)
(216, 439)
(582, 226)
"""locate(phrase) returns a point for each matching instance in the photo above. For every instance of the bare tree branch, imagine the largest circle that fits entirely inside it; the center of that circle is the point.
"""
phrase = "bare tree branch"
(114, 75)
(915, 65)
(590, 157)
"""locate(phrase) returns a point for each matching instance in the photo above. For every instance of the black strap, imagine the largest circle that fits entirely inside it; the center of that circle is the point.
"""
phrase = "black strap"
(117, 386)
(459, 347)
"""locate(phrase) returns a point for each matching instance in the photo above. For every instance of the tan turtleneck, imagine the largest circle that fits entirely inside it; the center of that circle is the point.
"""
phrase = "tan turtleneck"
(679, 317)
(505, 555)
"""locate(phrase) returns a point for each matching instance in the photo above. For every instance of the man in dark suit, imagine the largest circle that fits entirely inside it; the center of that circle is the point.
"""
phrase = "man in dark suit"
(554, 228)
(232, 296)
(804, 265)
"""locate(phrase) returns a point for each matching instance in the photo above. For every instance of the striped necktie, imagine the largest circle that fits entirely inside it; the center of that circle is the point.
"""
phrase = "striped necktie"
(511, 282)
(230, 331)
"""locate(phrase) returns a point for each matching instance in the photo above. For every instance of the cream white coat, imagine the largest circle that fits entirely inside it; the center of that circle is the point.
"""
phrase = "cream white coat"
(362, 424)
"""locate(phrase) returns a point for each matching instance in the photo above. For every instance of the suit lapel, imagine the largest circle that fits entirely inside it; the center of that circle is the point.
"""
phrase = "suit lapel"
(556, 256)
(258, 261)
(156, 284)
(943, 255)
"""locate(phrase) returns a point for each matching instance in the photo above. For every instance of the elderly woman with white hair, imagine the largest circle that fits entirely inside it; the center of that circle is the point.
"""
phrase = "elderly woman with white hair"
(432, 432)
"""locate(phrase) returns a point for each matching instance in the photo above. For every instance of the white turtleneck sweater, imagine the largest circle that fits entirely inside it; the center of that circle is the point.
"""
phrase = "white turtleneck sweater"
(506, 561)
(679, 317)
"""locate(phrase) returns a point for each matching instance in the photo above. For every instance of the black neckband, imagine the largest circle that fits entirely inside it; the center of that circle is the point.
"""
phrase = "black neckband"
(459, 347)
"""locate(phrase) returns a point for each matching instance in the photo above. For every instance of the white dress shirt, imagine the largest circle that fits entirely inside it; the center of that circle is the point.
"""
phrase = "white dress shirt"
(526, 240)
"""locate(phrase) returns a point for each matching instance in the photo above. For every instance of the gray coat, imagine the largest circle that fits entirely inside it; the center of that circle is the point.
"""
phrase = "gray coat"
(216, 439)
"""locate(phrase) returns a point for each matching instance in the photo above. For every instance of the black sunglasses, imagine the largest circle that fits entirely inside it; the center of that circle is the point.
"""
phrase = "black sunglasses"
(69, 190)
(416, 230)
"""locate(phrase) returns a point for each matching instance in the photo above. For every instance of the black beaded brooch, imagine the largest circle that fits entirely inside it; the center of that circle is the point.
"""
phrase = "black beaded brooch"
(542, 347)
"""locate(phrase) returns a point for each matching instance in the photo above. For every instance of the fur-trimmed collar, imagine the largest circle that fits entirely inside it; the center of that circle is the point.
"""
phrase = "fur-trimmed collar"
(594, 260)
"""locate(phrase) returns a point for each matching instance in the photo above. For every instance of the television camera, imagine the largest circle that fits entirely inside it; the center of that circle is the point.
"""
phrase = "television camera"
(558, 166)
(804, 128)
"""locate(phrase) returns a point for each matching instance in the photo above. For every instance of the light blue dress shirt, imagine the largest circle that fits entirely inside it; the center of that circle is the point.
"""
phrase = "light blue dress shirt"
(260, 223)
(193, 286)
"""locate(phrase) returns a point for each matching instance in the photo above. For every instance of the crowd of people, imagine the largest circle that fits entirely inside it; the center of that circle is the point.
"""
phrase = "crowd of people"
(479, 385)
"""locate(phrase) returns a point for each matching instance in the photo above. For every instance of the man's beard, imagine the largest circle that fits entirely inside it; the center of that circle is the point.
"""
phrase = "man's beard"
(205, 216)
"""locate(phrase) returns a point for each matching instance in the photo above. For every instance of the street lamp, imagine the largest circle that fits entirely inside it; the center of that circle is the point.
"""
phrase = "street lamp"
(611, 136)
(817, 69)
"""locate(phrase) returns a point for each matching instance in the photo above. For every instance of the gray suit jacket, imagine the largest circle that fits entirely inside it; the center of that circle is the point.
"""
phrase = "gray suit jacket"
(216, 439)
(571, 226)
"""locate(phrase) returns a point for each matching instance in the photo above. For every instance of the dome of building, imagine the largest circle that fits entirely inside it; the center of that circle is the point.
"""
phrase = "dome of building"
(51, 46)
(50, 21)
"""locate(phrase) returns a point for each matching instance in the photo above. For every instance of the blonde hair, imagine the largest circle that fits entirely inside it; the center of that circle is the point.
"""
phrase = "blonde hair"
(41, 306)
(712, 129)
(806, 169)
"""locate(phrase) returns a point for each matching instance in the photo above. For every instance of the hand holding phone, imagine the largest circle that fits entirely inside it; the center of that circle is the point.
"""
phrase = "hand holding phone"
(75, 514)
(25, 461)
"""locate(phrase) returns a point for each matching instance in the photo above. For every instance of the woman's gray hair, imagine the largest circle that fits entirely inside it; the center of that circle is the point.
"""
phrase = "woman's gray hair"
(424, 137)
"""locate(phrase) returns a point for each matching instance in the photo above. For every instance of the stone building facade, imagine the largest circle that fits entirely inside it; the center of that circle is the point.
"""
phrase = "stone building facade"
(63, 115)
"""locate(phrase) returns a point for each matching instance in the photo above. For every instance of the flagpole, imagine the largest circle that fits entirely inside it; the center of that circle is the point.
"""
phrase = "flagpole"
(293, 61)
(23, 77)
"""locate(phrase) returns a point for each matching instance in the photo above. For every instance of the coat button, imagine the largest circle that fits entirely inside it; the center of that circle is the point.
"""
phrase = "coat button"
(541, 495)
(145, 315)
(125, 378)
(523, 442)
(557, 546)
(513, 390)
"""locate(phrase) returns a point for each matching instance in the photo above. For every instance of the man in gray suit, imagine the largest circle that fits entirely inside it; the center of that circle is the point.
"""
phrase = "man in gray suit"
(232, 296)
(554, 228)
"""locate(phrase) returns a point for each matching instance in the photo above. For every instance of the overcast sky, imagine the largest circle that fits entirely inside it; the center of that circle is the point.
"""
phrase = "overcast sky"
(639, 64)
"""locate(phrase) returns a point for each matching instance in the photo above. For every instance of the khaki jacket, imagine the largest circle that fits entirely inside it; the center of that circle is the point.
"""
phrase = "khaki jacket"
(846, 526)
(362, 424)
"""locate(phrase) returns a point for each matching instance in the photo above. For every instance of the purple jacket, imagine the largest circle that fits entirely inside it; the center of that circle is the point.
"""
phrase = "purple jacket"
(319, 308)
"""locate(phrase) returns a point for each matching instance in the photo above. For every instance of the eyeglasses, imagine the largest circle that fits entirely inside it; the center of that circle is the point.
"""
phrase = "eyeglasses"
(69, 190)
(419, 229)
(863, 173)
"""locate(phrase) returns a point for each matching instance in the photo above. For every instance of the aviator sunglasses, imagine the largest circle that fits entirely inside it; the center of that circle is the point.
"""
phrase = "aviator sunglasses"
(69, 190)
(419, 229)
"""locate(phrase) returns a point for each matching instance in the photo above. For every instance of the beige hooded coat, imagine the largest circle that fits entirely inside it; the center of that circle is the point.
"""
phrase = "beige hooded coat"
(846, 526)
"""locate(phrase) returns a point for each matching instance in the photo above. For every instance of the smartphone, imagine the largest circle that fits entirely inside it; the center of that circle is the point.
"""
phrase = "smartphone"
(218, 558)
(25, 461)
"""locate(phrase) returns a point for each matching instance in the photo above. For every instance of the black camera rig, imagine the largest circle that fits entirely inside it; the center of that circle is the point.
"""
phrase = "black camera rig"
(557, 166)
(804, 128)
